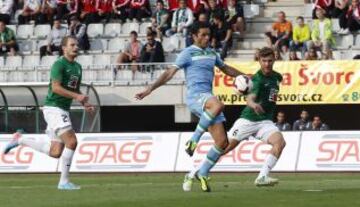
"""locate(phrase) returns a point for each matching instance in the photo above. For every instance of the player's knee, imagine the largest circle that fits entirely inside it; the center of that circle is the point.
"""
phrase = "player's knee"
(56, 154)
(71, 144)
(223, 144)
(219, 107)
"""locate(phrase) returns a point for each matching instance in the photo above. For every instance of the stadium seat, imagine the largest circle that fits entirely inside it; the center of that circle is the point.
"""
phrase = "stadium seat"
(344, 41)
(170, 57)
(335, 25)
(102, 60)
(112, 29)
(30, 62)
(337, 55)
(251, 10)
(128, 27)
(116, 45)
(85, 61)
(25, 31)
(2, 61)
(41, 31)
(308, 8)
(97, 45)
(144, 26)
(26, 46)
(357, 41)
(168, 46)
(95, 30)
(47, 61)
(13, 27)
(13, 62)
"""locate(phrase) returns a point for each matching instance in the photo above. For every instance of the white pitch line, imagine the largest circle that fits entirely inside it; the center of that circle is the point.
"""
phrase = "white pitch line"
(313, 190)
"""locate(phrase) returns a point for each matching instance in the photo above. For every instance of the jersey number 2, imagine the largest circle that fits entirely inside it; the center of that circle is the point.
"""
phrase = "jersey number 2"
(65, 118)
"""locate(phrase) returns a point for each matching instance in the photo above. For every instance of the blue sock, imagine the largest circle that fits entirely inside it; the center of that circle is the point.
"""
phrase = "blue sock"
(205, 121)
(211, 158)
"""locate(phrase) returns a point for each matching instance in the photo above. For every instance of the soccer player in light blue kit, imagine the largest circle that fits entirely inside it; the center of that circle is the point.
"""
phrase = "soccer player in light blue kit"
(198, 62)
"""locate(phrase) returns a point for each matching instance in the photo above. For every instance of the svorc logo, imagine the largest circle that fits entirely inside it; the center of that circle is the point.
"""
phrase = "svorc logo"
(339, 150)
(120, 152)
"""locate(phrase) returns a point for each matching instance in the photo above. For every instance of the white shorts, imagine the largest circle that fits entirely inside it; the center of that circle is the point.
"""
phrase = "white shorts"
(58, 121)
(243, 129)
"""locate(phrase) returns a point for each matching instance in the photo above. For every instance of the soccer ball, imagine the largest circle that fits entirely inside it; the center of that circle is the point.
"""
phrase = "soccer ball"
(243, 84)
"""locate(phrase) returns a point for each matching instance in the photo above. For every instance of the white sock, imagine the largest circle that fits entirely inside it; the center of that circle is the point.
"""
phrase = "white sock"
(66, 156)
(193, 171)
(268, 165)
(38, 144)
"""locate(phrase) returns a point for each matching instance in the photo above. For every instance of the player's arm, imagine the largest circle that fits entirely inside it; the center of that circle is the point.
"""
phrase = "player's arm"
(230, 71)
(164, 78)
(61, 91)
(250, 101)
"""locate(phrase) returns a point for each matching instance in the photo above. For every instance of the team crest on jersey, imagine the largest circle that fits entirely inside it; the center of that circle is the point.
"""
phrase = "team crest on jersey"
(73, 82)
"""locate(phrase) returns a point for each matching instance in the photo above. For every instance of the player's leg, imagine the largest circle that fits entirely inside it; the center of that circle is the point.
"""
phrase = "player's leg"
(218, 133)
(211, 108)
(69, 138)
(272, 136)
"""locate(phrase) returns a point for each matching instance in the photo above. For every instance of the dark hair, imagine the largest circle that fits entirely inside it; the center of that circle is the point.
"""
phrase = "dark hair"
(219, 16)
(199, 25)
(282, 12)
(265, 52)
(151, 34)
(160, 1)
(300, 17)
(134, 33)
(65, 40)
(316, 115)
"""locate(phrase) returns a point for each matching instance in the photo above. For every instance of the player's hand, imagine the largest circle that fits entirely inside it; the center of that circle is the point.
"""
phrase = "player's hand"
(82, 98)
(143, 94)
(89, 108)
(257, 108)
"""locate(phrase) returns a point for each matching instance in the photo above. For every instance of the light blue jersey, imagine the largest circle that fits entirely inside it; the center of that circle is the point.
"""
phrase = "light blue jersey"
(198, 65)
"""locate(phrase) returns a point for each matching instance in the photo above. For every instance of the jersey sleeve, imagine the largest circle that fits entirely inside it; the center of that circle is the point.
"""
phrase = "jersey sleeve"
(56, 71)
(218, 61)
(183, 60)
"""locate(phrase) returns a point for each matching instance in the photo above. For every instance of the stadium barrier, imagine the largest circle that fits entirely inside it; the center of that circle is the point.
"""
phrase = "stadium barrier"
(164, 152)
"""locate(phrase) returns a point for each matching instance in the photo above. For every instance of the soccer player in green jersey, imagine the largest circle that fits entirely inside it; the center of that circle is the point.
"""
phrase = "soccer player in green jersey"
(256, 118)
(65, 79)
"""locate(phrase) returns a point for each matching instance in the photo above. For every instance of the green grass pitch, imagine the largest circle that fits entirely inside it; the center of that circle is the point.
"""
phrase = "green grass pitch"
(157, 190)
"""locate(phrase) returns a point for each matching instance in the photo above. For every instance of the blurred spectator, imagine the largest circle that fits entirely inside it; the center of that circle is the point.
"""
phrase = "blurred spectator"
(139, 9)
(280, 34)
(54, 39)
(234, 15)
(321, 36)
(356, 57)
(256, 55)
(350, 22)
(104, 9)
(327, 5)
(67, 8)
(278, 55)
(131, 53)
(172, 5)
(6, 7)
(300, 37)
(196, 6)
(213, 9)
(317, 125)
(182, 19)
(341, 7)
(281, 123)
(303, 123)
(221, 35)
(311, 54)
(152, 51)
(77, 29)
(48, 9)
(293, 56)
(160, 19)
(327, 56)
(121, 9)
(89, 13)
(30, 11)
(202, 18)
(7, 40)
